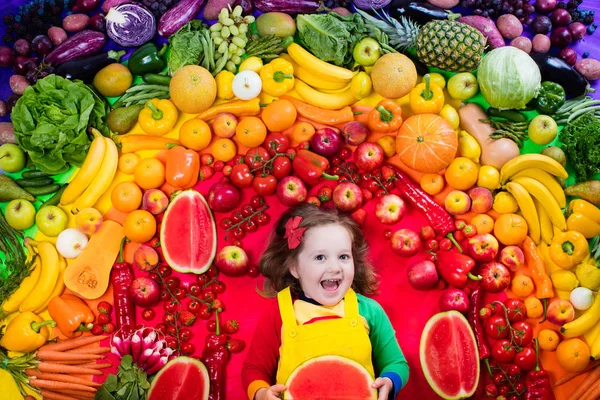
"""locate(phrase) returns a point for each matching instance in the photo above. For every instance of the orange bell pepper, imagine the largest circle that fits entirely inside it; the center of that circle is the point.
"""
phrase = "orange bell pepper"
(71, 314)
(386, 117)
(182, 167)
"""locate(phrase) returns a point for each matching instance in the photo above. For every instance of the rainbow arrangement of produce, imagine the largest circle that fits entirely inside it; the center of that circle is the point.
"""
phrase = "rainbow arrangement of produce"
(147, 148)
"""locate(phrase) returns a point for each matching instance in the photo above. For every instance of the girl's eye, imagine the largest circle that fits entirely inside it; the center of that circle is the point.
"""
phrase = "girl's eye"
(320, 257)
(345, 256)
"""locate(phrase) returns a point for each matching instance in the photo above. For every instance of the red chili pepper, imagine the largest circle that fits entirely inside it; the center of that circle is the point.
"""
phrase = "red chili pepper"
(121, 278)
(215, 356)
(310, 167)
(475, 321)
(538, 381)
(455, 268)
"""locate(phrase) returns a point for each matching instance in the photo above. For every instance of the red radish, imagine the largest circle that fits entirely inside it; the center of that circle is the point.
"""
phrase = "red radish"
(161, 363)
(136, 345)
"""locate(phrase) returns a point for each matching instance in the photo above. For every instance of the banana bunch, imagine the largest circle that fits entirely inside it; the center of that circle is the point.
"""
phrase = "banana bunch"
(531, 179)
(584, 323)
(94, 176)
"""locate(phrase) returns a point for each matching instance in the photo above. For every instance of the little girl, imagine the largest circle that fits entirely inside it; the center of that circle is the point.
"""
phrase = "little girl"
(316, 264)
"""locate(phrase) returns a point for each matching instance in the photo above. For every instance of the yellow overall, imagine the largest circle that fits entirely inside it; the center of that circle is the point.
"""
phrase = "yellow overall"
(346, 337)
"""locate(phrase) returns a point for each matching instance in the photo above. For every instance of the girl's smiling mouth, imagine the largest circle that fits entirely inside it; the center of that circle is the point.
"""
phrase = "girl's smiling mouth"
(331, 285)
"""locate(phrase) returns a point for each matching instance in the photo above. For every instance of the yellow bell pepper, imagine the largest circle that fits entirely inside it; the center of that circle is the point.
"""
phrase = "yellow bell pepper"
(26, 333)
(158, 117)
(224, 80)
(426, 98)
(584, 217)
(568, 249)
(277, 77)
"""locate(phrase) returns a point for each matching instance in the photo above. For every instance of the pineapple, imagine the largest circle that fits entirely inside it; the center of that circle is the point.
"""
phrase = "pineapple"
(444, 44)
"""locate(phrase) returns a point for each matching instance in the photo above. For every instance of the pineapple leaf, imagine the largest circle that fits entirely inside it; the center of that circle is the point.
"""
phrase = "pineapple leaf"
(397, 32)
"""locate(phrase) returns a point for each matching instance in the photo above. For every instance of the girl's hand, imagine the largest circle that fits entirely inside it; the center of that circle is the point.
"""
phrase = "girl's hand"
(384, 387)
(271, 393)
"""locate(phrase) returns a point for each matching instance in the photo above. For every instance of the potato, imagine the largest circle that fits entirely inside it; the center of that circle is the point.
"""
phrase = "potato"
(541, 43)
(588, 68)
(7, 134)
(522, 43)
(75, 22)
(3, 108)
(509, 26)
(18, 84)
(57, 35)
(446, 4)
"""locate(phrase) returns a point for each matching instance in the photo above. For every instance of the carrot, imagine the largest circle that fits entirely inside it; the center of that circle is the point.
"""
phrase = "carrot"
(78, 394)
(72, 362)
(593, 392)
(571, 375)
(321, 115)
(57, 385)
(61, 378)
(592, 377)
(361, 113)
(89, 350)
(96, 366)
(94, 345)
(51, 355)
(69, 344)
(67, 369)
(50, 395)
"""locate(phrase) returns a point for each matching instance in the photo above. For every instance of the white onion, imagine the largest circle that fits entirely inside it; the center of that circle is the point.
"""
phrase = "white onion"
(71, 242)
(581, 298)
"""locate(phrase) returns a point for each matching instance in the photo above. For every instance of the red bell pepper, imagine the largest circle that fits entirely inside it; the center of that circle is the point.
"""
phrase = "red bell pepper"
(538, 381)
(310, 167)
(215, 356)
(455, 268)
(182, 166)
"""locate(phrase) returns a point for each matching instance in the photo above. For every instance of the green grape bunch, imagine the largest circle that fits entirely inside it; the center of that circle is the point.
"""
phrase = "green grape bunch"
(230, 36)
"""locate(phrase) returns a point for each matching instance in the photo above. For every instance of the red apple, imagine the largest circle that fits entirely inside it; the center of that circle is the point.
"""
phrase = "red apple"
(144, 292)
(368, 156)
(454, 299)
(347, 197)
(232, 261)
(223, 197)
(405, 242)
(512, 257)
(291, 191)
(422, 275)
(326, 142)
(483, 247)
(355, 133)
(495, 277)
(390, 209)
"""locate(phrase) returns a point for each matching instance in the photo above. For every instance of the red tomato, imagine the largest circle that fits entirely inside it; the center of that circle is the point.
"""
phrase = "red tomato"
(194, 306)
(256, 157)
(185, 334)
(503, 351)
(277, 143)
(204, 312)
(516, 309)
(241, 176)
(282, 167)
(525, 359)
(522, 332)
(496, 327)
(195, 289)
(148, 314)
(264, 185)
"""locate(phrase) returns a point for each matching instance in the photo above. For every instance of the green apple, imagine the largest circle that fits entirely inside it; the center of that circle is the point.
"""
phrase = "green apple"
(462, 86)
(366, 52)
(51, 220)
(542, 129)
(12, 158)
(20, 214)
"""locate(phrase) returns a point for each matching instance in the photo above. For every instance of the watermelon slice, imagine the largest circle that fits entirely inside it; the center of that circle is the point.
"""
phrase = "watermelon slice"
(188, 234)
(330, 377)
(449, 356)
(182, 378)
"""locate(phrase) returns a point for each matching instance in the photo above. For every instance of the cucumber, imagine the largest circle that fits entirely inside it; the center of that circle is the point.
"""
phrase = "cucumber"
(31, 174)
(53, 201)
(36, 182)
(42, 190)
(156, 79)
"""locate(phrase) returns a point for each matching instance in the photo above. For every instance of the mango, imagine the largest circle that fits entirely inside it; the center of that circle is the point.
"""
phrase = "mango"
(275, 23)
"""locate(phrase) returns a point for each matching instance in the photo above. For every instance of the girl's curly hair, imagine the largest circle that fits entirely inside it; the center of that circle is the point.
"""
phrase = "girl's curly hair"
(277, 259)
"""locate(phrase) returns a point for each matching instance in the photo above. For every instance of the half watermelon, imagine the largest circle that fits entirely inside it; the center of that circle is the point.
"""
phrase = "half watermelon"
(188, 234)
(182, 378)
(449, 356)
(330, 377)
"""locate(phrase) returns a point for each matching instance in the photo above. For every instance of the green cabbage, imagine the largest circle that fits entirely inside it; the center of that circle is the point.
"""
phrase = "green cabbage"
(508, 78)
(51, 120)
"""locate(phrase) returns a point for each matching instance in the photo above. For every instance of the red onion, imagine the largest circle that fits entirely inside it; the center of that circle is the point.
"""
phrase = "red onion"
(545, 6)
(560, 37)
(22, 47)
(98, 23)
(577, 30)
(21, 64)
(541, 24)
(86, 5)
(560, 17)
(11, 101)
(7, 56)
(568, 55)
(130, 24)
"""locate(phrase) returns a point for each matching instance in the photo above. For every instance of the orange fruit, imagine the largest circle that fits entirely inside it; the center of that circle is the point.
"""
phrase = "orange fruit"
(223, 149)
(483, 223)
(113, 80)
(573, 355)
(521, 285)
(510, 229)
(303, 131)
(534, 307)
(127, 162)
(139, 226)
(193, 89)
(432, 183)
(388, 145)
(548, 339)
(195, 134)
(279, 115)
(126, 197)
(149, 173)
(251, 132)
(462, 173)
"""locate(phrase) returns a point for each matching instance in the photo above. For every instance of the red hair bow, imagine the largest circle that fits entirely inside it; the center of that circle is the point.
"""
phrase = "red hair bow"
(292, 233)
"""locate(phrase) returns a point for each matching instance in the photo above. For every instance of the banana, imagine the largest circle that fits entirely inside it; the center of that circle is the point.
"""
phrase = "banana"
(330, 101)
(334, 91)
(595, 344)
(311, 63)
(525, 161)
(101, 181)
(546, 226)
(14, 301)
(88, 170)
(584, 322)
(547, 180)
(48, 278)
(314, 79)
(543, 195)
(527, 208)
(60, 284)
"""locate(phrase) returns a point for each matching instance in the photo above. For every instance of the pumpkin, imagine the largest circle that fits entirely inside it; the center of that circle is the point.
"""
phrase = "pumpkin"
(426, 143)
(89, 274)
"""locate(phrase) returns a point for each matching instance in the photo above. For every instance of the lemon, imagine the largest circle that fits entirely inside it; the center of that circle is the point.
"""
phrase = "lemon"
(489, 177)
(588, 274)
(450, 114)
(361, 85)
(251, 63)
(113, 80)
(436, 79)
(564, 280)
(224, 81)
(505, 203)
(468, 146)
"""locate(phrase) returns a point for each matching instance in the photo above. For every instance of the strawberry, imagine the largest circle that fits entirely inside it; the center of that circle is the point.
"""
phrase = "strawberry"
(186, 318)
(231, 326)
(108, 328)
(469, 231)
(388, 174)
(324, 194)
(206, 172)
(367, 195)
(314, 200)
(359, 216)
(460, 224)
(427, 232)
(103, 319)
(105, 307)
(459, 236)
(97, 330)
(206, 159)
(236, 345)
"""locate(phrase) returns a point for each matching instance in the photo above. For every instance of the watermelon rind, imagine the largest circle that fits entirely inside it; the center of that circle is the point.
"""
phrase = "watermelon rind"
(162, 375)
(171, 258)
(430, 370)
(339, 372)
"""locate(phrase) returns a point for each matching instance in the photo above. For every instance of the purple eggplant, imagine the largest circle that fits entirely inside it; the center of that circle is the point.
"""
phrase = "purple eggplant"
(82, 44)
(177, 16)
(290, 6)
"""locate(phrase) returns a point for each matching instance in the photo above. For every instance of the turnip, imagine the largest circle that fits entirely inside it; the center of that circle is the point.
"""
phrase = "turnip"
(71, 242)
(540, 43)
(581, 298)
(422, 275)
(509, 26)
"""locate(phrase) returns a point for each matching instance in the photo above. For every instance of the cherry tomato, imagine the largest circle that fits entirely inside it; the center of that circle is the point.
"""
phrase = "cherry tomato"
(498, 379)
(148, 314)
(208, 295)
(241, 176)
(503, 351)
(205, 312)
(171, 342)
(431, 257)
(212, 272)
(277, 143)
(257, 202)
(345, 153)
(172, 331)
(264, 185)
(445, 244)
(218, 304)
(225, 223)
(282, 167)
(516, 309)
(432, 245)
(168, 319)
(202, 281)
(253, 271)
(170, 306)
(336, 161)
(525, 359)
(238, 233)
(188, 348)
(250, 226)
(164, 294)
(194, 306)
(262, 218)
(172, 282)
(256, 157)
(185, 334)
(236, 217)
(195, 289)
(236, 243)
(211, 325)
(218, 287)
(496, 327)
(161, 327)
(179, 292)
(154, 276)
(387, 234)
(522, 333)
(513, 370)
(164, 270)
(519, 387)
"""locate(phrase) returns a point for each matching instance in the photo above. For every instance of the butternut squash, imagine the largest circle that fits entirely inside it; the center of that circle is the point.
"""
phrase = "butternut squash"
(89, 274)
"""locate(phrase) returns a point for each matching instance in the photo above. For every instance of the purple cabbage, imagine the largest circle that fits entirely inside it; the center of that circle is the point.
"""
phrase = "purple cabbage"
(371, 4)
(130, 24)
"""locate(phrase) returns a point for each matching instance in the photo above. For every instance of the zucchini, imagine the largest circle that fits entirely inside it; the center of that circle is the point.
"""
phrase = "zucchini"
(42, 190)
(36, 182)
(31, 174)
(53, 201)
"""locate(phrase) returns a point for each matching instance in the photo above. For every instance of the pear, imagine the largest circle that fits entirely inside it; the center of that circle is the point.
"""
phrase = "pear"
(121, 120)
(9, 190)
(589, 191)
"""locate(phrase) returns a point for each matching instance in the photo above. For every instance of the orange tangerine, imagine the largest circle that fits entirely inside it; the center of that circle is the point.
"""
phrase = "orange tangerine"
(388, 144)
(279, 115)
(521, 285)
(195, 134)
(223, 149)
(573, 355)
(127, 162)
(149, 173)
(251, 132)
(462, 173)
(432, 183)
(126, 197)
(533, 307)
(483, 223)
(303, 131)
(139, 226)
(510, 229)
(548, 339)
